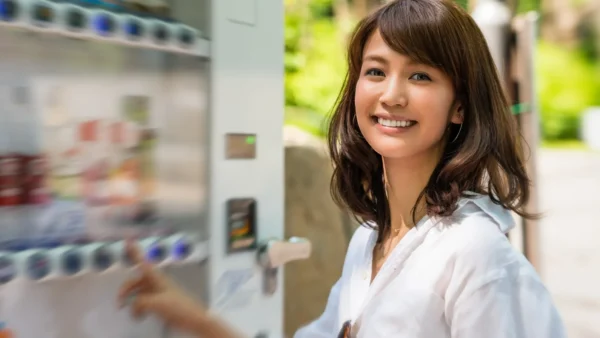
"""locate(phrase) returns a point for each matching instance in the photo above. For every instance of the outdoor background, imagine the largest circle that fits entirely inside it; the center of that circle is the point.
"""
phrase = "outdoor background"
(567, 80)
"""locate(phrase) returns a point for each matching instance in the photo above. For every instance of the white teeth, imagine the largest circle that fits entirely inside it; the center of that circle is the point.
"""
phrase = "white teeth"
(395, 123)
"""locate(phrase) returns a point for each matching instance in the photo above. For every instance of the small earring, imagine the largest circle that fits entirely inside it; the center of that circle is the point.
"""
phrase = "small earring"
(456, 137)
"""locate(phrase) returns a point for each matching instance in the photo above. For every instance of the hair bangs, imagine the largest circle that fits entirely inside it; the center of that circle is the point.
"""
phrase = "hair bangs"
(417, 29)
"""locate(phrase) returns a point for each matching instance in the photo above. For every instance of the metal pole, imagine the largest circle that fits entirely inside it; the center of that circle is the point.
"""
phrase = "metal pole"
(528, 116)
(494, 18)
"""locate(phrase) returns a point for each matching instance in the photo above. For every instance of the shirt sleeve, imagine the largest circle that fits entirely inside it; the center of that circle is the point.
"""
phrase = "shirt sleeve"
(326, 325)
(505, 307)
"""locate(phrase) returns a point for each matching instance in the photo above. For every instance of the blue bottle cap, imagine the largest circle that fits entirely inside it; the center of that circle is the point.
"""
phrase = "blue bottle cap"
(133, 28)
(103, 24)
(38, 266)
(155, 253)
(72, 262)
(102, 259)
(8, 9)
(181, 249)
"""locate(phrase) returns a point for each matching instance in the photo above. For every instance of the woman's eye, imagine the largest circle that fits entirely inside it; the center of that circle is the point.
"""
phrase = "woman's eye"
(374, 72)
(420, 77)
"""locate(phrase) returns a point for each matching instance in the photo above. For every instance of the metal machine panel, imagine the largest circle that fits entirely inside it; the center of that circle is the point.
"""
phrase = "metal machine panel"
(120, 134)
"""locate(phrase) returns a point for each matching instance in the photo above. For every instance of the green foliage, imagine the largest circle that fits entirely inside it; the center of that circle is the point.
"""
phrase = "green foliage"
(307, 120)
(589, 39)
(321, 8)
(295, 59)
(463, 3)
(524, 6)
(313, 81)
(567, 84)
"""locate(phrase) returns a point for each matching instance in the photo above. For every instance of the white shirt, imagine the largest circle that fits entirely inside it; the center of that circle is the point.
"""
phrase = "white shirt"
(453, 277)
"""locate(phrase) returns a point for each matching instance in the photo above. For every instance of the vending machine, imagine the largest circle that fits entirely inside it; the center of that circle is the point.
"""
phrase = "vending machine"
(154, 120)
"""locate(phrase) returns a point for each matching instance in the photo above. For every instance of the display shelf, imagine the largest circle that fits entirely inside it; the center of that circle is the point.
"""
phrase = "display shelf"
(123, 29)
(39, 265)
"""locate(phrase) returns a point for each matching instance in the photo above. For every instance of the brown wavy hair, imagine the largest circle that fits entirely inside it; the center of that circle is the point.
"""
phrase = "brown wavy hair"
(486, 157)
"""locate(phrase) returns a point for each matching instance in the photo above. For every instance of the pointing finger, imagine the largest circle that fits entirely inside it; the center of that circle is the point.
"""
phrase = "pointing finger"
(133, 252)
(129, 288)
(154, 278)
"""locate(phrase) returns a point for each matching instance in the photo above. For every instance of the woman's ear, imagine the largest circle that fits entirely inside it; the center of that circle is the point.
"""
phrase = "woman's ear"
(458, 115)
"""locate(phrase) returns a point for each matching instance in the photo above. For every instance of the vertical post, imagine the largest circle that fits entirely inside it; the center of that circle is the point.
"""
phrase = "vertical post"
(493, 18)
(526, 108)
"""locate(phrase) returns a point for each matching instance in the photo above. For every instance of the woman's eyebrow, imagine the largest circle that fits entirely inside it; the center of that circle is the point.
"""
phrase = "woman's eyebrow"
(376, 58)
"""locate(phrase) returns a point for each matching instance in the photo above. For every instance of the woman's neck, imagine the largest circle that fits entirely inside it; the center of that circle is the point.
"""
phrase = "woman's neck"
(405, 180)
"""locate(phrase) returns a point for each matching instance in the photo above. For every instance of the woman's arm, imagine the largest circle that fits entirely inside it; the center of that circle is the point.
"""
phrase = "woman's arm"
(208, 326)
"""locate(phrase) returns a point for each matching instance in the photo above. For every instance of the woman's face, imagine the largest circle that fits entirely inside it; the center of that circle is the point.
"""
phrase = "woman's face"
(402, 108)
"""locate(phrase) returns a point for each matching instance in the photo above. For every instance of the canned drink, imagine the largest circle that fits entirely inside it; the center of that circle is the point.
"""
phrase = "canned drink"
(11, 188)
(36, 190)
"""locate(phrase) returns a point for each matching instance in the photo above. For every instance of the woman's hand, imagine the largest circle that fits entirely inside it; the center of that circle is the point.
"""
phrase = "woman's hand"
(154, 293)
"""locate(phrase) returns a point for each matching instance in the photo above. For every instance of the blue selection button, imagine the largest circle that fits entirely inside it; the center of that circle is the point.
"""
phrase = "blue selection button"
(102, 258)
(71, 262)
(8, 270)
(38, 266)
(9, 10)
(181, 249)
(133, 28)
(155, 253)
(104, 24)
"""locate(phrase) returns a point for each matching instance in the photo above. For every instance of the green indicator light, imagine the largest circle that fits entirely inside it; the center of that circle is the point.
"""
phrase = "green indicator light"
(520, 108)
(250, 139)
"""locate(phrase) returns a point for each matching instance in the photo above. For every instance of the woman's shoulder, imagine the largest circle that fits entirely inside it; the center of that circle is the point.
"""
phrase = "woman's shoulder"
(478, 223)
(475, 239)
(479, 213)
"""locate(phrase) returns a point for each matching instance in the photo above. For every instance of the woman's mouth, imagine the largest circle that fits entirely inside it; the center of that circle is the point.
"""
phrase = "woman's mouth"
(394, 123)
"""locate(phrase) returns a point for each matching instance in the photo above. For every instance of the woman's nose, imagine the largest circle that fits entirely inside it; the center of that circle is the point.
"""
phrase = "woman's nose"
(394, 93)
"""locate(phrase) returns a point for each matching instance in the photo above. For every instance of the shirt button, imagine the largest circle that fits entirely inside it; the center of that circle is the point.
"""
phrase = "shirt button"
(365, 275)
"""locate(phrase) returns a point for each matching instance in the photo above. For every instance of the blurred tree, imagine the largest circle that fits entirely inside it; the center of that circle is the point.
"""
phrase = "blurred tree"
(588, 33)
(314, 61)
(294, 57)
(463, 3)
(562, 20)
(523, 6)
(363, 7)
(567, 83)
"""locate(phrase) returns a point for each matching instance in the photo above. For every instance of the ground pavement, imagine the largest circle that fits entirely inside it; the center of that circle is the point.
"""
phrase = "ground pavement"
(569, 184)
